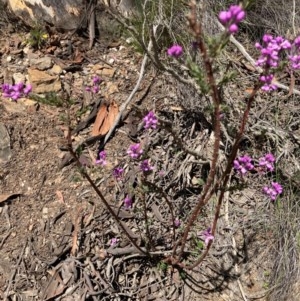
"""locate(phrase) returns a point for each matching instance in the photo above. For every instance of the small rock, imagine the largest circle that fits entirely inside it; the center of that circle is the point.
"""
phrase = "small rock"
(112, 88)
(19, 77)
(26, 63)
(109, 72)
(96, 67)
(26, 49)
(56, 69)
(9, 58)
(42, 63)
(31, 105)
(42, 82)
(111, 61)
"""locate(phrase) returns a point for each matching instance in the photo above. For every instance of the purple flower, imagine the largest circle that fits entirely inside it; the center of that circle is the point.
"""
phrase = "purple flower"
(15, 91)
(102, 158)
(177, 222)
(145, 166)
(233, 28)
(295, 62)
(268, 85)
(95, 89)
(273, 191)
(270, 50)
(27, 89)
(175, 51)
(232, 17)
(18, 87)
(128, 202)
(96, 80)
(243, 164)
(207, 236)
(297, 42)
(267, 162)
(135, 151)
(15, 95)
(118, 173)
(150, 121)
(113, 242)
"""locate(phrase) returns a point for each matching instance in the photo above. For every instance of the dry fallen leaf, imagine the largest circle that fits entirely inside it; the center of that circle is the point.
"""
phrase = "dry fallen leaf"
(105, 118)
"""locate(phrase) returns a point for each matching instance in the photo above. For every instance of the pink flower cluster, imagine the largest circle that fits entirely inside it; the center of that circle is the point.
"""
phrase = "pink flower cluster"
(273, 191)
(127, 202)
(146, 166)
(243, 164)
(150, 121)
(266, 163)
(95, 86)
(269, 58)
(135, 151)
(102, 158)
(294, 55)
(15, 91)
(118, 173)
(206, 236)
(175, 51)
(270, 50)
(232, 17)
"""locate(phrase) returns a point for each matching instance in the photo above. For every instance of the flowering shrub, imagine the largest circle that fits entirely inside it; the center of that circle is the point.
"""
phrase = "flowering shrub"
(145, 173)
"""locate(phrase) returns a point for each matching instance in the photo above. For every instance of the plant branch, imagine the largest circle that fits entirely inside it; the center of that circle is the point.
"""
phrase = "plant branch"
(222, 183)
(99, 193)
(197, 30)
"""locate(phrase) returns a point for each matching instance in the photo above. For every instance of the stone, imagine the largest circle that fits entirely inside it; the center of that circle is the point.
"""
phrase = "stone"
(56, 69)
(19, 77)
(108, 72)
(12, 106)
(42, 82)
(111, 88)
(64, 14)
(42, 63)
